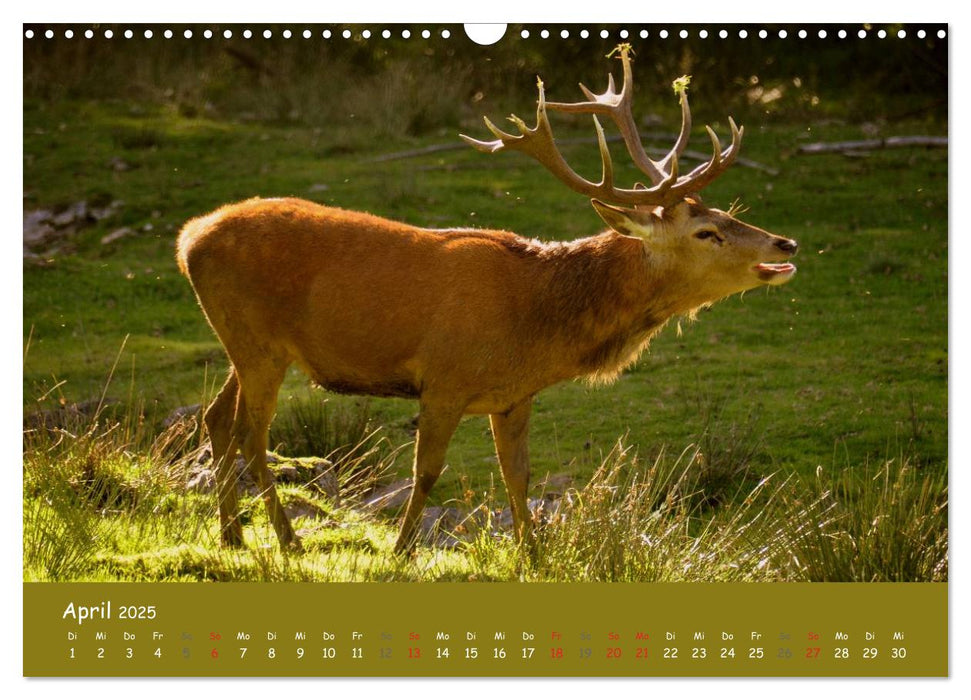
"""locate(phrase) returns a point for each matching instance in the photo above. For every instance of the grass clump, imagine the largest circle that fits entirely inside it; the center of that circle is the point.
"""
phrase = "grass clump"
(316, 426)
(889, 523)
(637, 522)
(99, 485)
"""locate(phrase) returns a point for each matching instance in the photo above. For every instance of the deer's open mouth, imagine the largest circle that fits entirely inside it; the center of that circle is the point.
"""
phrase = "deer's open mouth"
(775, 273)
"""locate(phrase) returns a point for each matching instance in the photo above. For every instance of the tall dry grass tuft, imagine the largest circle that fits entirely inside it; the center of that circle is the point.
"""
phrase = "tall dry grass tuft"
(637, 522)
(889, 523)
(87, 472)
(653, 523)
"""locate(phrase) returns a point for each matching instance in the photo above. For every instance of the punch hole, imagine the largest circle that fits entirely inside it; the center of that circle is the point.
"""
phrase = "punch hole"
(545, 34)
(426, 34)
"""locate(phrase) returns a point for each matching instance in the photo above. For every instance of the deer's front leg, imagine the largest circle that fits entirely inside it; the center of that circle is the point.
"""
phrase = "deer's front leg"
(510, 431)
(436, 423)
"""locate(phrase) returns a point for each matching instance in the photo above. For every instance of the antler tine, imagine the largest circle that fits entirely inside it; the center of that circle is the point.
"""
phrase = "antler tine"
(680, 88)
(607, 180)
(595, 101)
(489, 146)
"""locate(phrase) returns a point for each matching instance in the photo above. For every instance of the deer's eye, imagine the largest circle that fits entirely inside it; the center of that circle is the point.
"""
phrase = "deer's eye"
(708, 233)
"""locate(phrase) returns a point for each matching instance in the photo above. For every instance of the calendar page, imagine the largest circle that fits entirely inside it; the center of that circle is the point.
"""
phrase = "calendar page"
(536, 350)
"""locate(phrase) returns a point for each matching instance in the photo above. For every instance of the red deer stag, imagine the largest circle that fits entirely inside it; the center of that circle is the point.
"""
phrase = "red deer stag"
(466, 321)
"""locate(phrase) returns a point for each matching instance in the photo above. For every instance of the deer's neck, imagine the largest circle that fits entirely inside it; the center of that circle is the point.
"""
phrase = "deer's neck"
(601, 305)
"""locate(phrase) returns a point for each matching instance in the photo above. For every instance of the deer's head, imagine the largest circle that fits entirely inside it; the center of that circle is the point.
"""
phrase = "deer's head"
(707, 250)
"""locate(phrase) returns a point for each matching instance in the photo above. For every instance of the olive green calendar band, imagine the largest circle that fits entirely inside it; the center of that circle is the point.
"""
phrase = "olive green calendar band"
(501, 629)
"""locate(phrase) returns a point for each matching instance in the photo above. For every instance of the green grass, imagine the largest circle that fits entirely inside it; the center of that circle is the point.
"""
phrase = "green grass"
(844, 367)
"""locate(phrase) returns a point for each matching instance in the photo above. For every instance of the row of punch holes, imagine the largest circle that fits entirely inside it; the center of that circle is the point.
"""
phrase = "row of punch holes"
(446, 33)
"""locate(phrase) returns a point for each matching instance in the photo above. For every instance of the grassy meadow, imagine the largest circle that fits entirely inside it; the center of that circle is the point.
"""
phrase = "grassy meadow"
(793, 433)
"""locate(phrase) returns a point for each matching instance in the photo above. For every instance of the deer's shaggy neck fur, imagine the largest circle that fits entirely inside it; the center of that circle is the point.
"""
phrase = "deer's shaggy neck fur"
(601, 300)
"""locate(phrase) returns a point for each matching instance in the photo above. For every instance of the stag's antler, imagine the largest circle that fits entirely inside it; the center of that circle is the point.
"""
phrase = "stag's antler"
(668, 187)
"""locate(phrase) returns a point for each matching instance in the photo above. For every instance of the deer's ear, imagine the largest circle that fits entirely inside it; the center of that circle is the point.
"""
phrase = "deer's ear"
(629, 222)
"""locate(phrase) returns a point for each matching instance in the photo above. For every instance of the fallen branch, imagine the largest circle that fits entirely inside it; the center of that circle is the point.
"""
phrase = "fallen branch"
(417, 152)
(658, 152)
(875, 144)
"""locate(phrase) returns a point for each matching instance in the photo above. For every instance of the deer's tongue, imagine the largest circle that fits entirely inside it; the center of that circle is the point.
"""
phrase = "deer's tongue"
(775, 273)
(775, 268)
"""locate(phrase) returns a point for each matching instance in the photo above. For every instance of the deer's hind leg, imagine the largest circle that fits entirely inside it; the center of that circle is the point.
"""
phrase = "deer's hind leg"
(220, 417)
(259, 386)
